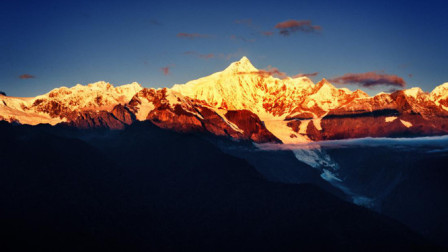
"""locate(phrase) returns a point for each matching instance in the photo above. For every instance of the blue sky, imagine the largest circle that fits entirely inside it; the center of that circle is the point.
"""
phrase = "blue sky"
(48, 44)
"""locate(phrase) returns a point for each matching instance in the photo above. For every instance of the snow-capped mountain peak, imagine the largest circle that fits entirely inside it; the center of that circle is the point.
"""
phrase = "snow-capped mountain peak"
(324, 88)
(413, 92)
(242, 66)
(440, 95)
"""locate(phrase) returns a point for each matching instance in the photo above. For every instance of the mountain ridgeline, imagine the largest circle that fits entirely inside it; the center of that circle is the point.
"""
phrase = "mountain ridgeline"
(241, 102)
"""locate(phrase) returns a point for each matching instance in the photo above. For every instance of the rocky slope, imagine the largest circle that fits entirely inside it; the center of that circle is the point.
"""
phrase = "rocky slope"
(169, 109)
(241, 102)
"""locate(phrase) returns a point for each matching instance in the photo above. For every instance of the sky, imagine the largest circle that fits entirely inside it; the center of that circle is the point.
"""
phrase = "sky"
(372, 45)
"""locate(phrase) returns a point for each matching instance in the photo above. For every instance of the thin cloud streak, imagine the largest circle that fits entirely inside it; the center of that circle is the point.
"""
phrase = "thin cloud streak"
(306, 75)
(230, 56)
(247, 21)
(155, 22)
(269, 71)
(291, 26)
(199, 55)
(369, 79)
(257, 30)
(26, 76)
(166, 70)
(192, 35)
(275, 72)
(430, 143)
(235, 37)
(267, 33)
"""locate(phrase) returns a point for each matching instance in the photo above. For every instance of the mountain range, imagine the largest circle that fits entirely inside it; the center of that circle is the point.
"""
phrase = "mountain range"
(208, 166)
(241, 102)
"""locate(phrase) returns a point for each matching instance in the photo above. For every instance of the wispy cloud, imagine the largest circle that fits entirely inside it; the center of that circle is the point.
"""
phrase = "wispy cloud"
(267, 33)
(370, 79)
(229, 56)
(291, 26)
(256, 29)
(430, 144)
(391, 90)
(247, 21)
(166, 70)
(199, 55)
(269, 71)
(244, 39)
(275, 72)
(306, 75)
(192, 35)
(26, 76)
(154, 22)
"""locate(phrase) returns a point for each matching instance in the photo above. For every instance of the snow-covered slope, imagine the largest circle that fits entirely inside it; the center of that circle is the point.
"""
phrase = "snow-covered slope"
(60, 103)
(242, 86)
(15, 109)
(276, 101)
(440, 96)
(96, 96)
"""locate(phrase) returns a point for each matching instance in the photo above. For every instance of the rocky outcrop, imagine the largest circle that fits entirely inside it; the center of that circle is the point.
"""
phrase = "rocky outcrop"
(123, 114)
(251, 125)
(217, 124)
(170, 110)
(95, 120)
(375, 125)
(117, 119)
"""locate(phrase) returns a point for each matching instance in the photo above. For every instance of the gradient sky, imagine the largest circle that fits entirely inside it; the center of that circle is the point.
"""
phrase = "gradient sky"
(48, 44)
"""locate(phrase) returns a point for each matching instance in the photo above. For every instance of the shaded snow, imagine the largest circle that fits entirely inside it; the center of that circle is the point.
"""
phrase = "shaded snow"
(280, 129)
(329, 176)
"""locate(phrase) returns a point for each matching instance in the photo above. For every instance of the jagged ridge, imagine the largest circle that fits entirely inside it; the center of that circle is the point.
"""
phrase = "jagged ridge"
(241, 102)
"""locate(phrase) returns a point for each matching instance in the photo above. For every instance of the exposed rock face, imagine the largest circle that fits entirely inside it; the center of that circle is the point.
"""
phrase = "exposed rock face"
(252, 127)
(91, 119)
(218, 125)
(171, 110)
(294, 125)
(402, 113)
(117, 119)
(123, 114)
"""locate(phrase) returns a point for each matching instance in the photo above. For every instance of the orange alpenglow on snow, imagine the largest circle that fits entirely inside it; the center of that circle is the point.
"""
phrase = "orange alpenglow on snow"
(241, 102)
